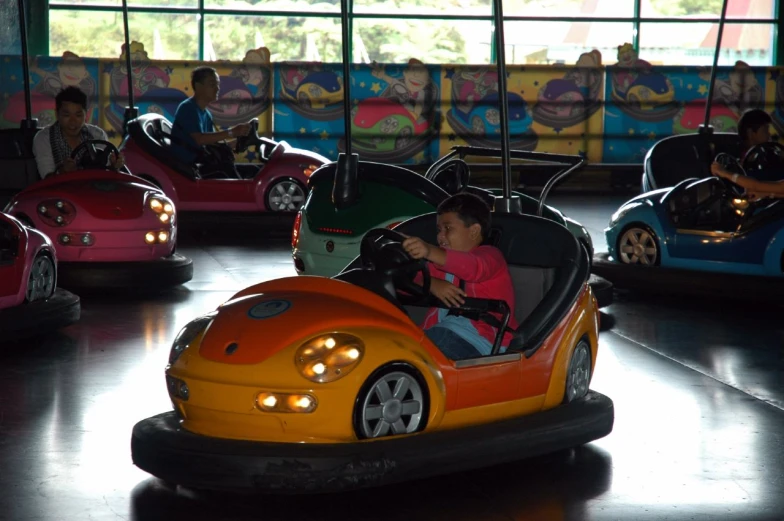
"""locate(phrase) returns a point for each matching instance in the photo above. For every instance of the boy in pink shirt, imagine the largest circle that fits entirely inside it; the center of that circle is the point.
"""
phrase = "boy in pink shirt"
(463, 224)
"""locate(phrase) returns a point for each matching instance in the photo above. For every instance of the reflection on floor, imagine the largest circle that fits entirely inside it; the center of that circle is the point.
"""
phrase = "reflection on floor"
(696, 387)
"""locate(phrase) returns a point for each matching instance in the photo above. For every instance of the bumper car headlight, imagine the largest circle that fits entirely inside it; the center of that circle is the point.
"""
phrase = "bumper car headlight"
(188, 334)
(327, 358)
(161, 207)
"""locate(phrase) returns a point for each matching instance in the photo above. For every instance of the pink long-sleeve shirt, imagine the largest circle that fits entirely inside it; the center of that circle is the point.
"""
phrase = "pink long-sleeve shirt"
(486, 275)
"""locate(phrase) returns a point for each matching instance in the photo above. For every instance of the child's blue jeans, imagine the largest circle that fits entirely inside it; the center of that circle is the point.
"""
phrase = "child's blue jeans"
(451, 344)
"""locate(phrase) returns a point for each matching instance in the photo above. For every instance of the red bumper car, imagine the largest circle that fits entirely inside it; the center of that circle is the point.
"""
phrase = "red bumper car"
(277, 183)
(110, 229)
(30, 302)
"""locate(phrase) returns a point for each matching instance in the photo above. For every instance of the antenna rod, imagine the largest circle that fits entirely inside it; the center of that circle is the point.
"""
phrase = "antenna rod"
(715, 62)
(503, 97)
(28, 122)
(346, 30)
(130, 110)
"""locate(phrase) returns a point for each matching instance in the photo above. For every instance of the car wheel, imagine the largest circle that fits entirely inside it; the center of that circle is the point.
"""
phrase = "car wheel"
(578, 376)
(303, 100)
(477, 126)
(403, 139)
(40, 283)
(638, 245)
(392, 401)
(285, 195)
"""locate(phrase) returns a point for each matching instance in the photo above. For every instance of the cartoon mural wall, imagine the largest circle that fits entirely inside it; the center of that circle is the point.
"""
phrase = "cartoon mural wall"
(413, 113)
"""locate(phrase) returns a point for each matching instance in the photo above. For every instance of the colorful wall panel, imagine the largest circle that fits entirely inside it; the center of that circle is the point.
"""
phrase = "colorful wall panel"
(413, 113)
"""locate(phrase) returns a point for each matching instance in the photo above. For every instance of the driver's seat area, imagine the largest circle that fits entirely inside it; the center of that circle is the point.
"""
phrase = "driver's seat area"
(548, 267)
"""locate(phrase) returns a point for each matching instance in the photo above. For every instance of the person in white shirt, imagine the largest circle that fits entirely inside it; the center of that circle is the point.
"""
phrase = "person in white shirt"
(54, 144)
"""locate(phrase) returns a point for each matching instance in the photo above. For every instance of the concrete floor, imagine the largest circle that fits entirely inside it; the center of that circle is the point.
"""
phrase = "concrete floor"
(696, 385)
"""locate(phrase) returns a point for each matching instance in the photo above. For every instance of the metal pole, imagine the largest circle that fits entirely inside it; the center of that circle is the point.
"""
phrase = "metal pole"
(346, 31)
(498, 13)
(130, 111)
(28, 121)
(715, 62)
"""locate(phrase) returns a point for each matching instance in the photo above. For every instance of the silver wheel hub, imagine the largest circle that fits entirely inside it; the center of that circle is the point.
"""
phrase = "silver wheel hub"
(638, 246)
(393, 405)
(285, 196)
(579, 372)
(40, 284)
(392, 410)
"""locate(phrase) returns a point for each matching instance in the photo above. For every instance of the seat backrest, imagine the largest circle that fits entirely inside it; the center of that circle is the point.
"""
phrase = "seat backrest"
(547, 264)
(680, 157)
(18, 169)
(152, 132)
(531, 285)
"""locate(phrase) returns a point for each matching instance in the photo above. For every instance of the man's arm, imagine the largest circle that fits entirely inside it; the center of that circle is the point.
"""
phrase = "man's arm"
(774, 188)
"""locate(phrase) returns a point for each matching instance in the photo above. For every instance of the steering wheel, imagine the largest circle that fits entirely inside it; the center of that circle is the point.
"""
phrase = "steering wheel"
(764, 156)
(95, 158)
(382, 250)
(252, 138)
(731, 164)
(453, 176)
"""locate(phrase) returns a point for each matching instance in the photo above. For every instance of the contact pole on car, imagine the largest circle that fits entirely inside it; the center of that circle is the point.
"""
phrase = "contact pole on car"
(344, 188)
(711, 83)
(131, 112)
(28, 122)
(507, 203)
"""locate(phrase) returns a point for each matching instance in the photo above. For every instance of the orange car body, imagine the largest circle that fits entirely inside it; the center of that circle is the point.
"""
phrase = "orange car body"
(224, 384)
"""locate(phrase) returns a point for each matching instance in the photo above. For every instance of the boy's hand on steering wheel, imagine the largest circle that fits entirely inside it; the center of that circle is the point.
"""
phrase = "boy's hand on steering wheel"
(447, 293)
(417, 248)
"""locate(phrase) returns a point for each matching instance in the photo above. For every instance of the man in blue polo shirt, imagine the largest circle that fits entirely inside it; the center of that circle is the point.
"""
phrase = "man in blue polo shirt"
(193, 127)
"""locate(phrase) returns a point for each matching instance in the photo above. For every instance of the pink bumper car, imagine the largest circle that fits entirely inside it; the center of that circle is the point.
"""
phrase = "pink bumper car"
(30, 303)
(110, 229)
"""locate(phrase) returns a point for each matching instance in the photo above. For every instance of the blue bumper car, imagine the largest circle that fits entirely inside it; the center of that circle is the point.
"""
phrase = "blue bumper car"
(702, 237)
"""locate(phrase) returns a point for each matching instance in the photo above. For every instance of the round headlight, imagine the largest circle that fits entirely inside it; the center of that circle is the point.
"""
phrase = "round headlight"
(188, 334)
(327, 358)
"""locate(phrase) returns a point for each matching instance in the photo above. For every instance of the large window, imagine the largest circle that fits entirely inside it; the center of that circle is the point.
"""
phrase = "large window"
(669, 32)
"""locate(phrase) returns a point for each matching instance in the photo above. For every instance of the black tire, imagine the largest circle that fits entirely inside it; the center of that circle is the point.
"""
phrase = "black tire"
(364, 399)
(654, 240)
(144, 276)
(602, 290)
(40, 317)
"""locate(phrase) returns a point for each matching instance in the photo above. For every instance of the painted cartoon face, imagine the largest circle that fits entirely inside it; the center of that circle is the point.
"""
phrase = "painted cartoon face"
(416, 78)
(627, 57)
(139, 60)
(72, 72)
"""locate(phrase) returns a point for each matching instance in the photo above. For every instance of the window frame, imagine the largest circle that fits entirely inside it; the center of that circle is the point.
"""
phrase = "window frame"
(201, 10)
